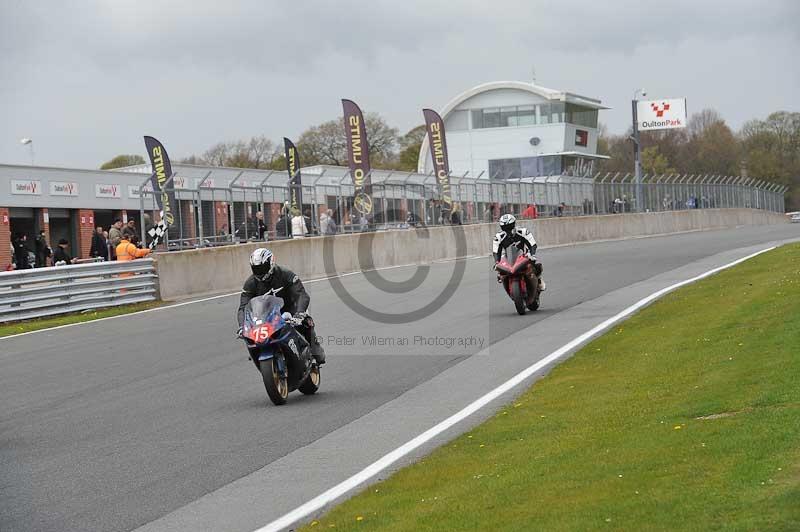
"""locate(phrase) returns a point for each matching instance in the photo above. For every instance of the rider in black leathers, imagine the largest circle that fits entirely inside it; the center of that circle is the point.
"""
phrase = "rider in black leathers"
(285, 284)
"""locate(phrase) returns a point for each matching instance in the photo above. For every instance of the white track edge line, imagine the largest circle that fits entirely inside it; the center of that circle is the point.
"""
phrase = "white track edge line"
(387, 460)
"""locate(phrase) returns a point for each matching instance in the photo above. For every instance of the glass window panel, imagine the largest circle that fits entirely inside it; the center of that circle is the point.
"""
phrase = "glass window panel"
(544, 113)
(477, 118)
(526, 115)
(491, 118)
(557, 113)
(508, 116)
(592, 121)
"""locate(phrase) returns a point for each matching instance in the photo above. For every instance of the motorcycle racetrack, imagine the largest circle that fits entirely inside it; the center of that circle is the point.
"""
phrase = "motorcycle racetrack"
(158, 420)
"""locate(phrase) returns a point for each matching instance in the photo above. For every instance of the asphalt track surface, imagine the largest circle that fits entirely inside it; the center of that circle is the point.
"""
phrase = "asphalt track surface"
(126, 422)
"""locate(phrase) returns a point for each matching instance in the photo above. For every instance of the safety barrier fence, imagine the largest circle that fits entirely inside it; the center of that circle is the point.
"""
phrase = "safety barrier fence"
(216, 211)
(41, 292)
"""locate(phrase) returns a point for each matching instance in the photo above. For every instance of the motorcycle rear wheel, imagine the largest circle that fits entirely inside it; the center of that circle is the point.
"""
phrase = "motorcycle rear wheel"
(516, 295)
(311, 384)
(276, 386)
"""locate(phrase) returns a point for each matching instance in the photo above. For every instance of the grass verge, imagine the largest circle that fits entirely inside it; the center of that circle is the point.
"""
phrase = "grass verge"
(684, 417)
(8, 329)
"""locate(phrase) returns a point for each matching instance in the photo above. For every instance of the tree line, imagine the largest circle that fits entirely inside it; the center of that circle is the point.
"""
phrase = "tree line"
(768, 149)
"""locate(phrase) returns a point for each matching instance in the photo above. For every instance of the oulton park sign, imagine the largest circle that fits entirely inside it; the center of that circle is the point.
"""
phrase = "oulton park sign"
(661, 114)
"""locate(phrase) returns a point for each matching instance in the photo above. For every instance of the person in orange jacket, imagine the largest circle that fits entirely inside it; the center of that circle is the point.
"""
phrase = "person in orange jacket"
(128, 249)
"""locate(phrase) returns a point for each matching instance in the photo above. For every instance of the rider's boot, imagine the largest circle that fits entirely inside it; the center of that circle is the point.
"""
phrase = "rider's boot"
(317, 351)
(542, 285)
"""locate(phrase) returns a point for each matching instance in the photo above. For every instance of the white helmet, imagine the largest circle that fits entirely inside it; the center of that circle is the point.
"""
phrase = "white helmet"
(262, 262)
(507, 222)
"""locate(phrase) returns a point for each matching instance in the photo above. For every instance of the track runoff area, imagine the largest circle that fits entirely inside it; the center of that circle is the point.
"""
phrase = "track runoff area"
(626, 276)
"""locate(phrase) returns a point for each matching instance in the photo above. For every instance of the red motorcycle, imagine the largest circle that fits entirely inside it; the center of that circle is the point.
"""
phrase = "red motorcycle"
(517, 271)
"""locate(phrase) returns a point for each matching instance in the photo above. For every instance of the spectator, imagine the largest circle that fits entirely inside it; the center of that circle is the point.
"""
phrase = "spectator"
(283, 226)
(262, 227)
(455, 214)
(43, 251)
(332, 227)
(21, 251)
(530, 212)
(560, 209)
(115, 233)
(363, 221)
(61, 257)
(299, 227)
(323, 223)
(411, 219)
(99, 245)
(327, 223)
(310, 225)
(130, 229)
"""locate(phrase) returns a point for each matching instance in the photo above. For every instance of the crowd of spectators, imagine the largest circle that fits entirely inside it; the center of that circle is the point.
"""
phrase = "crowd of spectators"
(120, 242)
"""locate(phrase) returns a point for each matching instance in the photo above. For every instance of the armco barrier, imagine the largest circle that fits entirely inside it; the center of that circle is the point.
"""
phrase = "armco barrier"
(223, 269)
(41, 292)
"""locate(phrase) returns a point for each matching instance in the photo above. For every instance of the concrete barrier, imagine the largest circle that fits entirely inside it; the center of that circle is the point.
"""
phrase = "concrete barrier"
(223, 269)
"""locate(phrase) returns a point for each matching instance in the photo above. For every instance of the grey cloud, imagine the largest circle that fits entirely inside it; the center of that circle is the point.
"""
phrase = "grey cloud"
(206, 70)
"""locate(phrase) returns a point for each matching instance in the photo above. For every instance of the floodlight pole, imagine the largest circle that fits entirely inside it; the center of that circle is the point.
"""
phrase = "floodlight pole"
(637, 152)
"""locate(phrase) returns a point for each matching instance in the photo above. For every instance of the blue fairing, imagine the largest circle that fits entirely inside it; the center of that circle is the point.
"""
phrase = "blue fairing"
(267, 352)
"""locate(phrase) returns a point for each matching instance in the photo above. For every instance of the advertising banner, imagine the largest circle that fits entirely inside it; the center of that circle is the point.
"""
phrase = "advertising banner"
(438, 148)
(26, 187)
(63, 188)
(661, 114)
(295, 177)
(107, 191)
(358, 156)
(162, 171)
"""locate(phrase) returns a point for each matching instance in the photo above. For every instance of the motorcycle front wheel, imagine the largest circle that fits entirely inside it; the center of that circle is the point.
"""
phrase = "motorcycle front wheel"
(516, 295)
(277, 387)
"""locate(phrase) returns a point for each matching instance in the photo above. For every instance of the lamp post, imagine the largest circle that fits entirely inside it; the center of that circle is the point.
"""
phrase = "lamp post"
(637, 151)
(29, 143)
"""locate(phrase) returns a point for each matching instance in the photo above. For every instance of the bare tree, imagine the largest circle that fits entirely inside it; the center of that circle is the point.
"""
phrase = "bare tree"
(218, 154)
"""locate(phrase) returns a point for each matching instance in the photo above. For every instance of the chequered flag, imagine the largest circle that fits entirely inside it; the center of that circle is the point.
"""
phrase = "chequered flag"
(157, 232)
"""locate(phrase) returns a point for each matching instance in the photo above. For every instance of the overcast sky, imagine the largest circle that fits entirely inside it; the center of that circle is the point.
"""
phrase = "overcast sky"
(87, 79)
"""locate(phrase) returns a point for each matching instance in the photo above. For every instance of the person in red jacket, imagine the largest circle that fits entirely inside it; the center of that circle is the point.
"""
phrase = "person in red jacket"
(530, 213)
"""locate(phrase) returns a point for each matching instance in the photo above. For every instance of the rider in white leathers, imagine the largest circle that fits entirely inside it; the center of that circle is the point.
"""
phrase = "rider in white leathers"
(510, 235)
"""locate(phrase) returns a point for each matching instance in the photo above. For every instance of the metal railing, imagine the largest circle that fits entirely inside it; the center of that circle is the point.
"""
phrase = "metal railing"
(41, 292)
(220, 211)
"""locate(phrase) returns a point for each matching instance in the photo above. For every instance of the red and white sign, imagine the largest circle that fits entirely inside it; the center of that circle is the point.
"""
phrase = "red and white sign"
(26, 187)
(581, 137)
(63, 188)
(107, 191)
(5, 219)
(179, 181)
(661, 114)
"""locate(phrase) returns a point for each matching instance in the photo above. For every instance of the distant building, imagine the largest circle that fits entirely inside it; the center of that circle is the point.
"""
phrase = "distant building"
(512, 130)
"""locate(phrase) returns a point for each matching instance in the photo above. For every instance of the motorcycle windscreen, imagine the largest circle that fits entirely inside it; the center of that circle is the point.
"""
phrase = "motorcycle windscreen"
(262, 317)
(261, 307)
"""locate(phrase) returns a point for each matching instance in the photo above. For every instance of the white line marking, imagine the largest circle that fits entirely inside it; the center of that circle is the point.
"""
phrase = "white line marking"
(387, 460)
(175, 305)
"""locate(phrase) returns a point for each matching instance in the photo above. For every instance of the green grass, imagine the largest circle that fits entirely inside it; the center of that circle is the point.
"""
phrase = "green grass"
(612, 439)
(7, 329)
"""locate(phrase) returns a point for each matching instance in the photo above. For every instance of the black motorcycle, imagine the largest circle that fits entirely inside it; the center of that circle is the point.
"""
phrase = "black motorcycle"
(280, 353)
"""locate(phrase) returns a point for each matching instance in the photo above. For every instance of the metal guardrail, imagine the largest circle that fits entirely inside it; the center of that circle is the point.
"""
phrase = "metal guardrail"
(41, 292)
